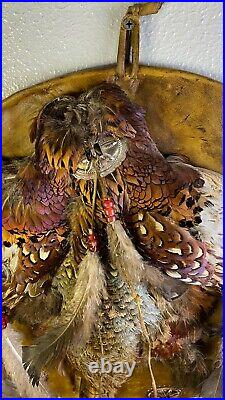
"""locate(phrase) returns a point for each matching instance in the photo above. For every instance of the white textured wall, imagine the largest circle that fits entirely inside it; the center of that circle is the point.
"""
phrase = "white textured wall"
(43, 40)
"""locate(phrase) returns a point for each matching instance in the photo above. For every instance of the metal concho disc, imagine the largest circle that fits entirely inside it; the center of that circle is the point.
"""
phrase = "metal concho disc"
(113, 154)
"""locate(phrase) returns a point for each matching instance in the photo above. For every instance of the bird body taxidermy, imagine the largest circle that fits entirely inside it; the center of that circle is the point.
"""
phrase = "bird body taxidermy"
(125, 241)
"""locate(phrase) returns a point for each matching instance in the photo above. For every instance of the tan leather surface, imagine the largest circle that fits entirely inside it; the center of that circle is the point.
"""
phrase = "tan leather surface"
(184, 111)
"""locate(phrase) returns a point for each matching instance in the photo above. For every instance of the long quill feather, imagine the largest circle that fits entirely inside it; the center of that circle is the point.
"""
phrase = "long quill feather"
(75, 324)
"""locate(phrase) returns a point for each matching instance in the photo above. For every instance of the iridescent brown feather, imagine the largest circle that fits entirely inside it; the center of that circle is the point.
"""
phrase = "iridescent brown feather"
(88, 149)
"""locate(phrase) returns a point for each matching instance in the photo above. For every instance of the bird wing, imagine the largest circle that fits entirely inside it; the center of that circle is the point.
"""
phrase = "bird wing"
(34, 219)
(172, 248)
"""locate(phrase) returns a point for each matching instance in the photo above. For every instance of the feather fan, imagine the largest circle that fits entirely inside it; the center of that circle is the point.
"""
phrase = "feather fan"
(75, 324)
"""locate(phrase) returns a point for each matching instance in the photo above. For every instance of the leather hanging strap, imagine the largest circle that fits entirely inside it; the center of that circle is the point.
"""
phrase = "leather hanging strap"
(128, 49)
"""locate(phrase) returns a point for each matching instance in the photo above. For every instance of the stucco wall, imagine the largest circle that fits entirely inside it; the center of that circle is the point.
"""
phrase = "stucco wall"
(43, 40)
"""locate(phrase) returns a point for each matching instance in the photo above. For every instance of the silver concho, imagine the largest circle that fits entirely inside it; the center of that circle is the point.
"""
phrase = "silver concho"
(113, 154)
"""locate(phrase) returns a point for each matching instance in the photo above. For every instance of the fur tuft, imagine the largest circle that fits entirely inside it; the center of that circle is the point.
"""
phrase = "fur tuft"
(123, 254)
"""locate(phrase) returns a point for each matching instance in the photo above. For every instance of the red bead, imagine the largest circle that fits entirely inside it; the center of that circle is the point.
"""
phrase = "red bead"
(108, 203)
(5, 321)
(109, 209)
(92, 242)
(110, 212)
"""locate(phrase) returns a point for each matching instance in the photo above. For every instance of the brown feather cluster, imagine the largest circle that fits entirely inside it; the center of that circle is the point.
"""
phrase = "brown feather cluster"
(99, 218)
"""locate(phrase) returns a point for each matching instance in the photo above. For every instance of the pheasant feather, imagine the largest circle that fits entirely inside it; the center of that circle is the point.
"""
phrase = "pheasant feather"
(75, 323)
(96, 168)
(125, 258)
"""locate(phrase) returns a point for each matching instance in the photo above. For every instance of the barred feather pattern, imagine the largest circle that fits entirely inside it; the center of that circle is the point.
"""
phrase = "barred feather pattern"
(89, 290)
(118, 334)
(159, 202)
(76, 322)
